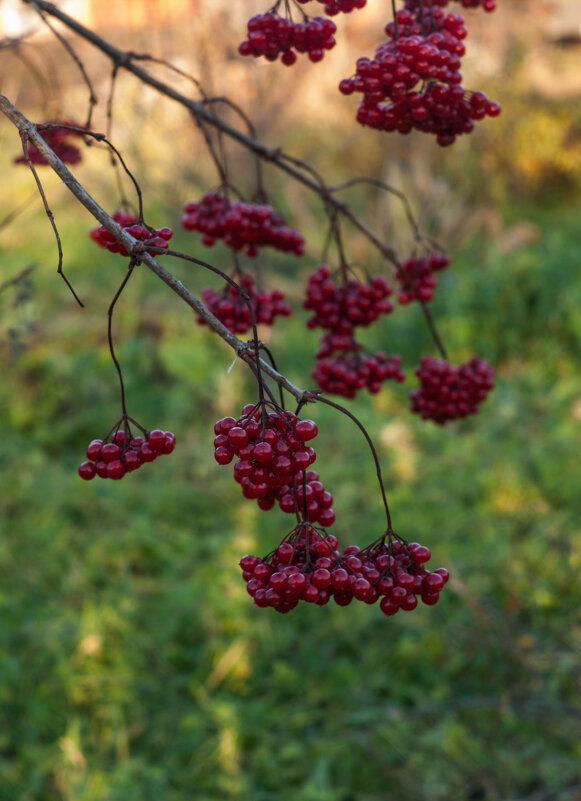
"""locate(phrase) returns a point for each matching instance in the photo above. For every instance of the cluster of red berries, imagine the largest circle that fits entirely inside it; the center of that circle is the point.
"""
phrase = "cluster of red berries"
(57, 139)
(270, 36)
(233, 310)
(486, 5)
(351, 371)
(151, 237)
(351, 303)
(241, 225)
(423, 52)
(416, 276)
(273, 461)
(340, 367)
(124, 453)
(333, 7)
(307, 566)
(447, 392)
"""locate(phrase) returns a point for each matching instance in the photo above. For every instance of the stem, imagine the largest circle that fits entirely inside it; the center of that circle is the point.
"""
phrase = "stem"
(131, 267)
(395, 25)
(363, 430)
(49, 214)
(433, 331)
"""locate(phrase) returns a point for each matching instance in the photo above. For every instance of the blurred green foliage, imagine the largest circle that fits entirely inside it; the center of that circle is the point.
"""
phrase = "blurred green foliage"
(134, 667)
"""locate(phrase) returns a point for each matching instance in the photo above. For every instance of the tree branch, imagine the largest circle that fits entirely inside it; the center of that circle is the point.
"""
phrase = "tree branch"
(134, 247)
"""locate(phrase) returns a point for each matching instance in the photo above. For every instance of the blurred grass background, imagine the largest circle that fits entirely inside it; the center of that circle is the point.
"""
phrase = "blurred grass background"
(133, 666)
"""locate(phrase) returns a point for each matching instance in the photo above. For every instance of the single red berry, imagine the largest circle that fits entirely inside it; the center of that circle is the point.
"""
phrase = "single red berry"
(87, 471)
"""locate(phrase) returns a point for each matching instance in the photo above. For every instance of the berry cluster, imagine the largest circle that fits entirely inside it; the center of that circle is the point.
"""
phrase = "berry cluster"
(350, 371)
(270, 36)
(273, 460)
(151, 237)
(417, 69)
(486, 5)
(124, 453)
(232, 309)
(241, 225)
(352, 303)
(416, 277)
(307, 566)
(340, 367)
(333, 7)
(57, 139)
(447, 392)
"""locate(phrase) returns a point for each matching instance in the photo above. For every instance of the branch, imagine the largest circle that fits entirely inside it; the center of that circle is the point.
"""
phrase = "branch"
(135, 248)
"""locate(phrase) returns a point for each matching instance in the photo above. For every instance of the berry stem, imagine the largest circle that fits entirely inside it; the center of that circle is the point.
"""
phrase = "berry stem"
(433, 331)
(133, 262)
(49, 214)
(363, 430)
(395, 25)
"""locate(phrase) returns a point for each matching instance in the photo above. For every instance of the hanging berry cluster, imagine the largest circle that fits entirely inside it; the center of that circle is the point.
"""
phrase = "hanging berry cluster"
(58, 139)
(242, 226)
(307, 566)
(417, 70)
(120, 452)
(341, 367)
(157, 239)
(273, 461)
(231, 308)
(414, 80)
(270, 36)
(416, 276)
(447, 392)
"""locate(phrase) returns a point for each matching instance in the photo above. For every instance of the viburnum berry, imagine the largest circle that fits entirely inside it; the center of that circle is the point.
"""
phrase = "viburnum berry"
(273, 460)
(270, 36)
(57, 138)
(307, 566)
(242, 226)
(416, 277)
(120, 452)
(447, 392)
(341, 307)
(152, 238)
(233, 311)
(350, 371)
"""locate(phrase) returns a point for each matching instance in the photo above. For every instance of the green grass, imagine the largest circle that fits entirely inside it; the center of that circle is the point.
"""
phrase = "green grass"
(133, 665)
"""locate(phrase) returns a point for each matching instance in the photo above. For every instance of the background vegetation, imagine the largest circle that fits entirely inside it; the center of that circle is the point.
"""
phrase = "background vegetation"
(133, 666)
